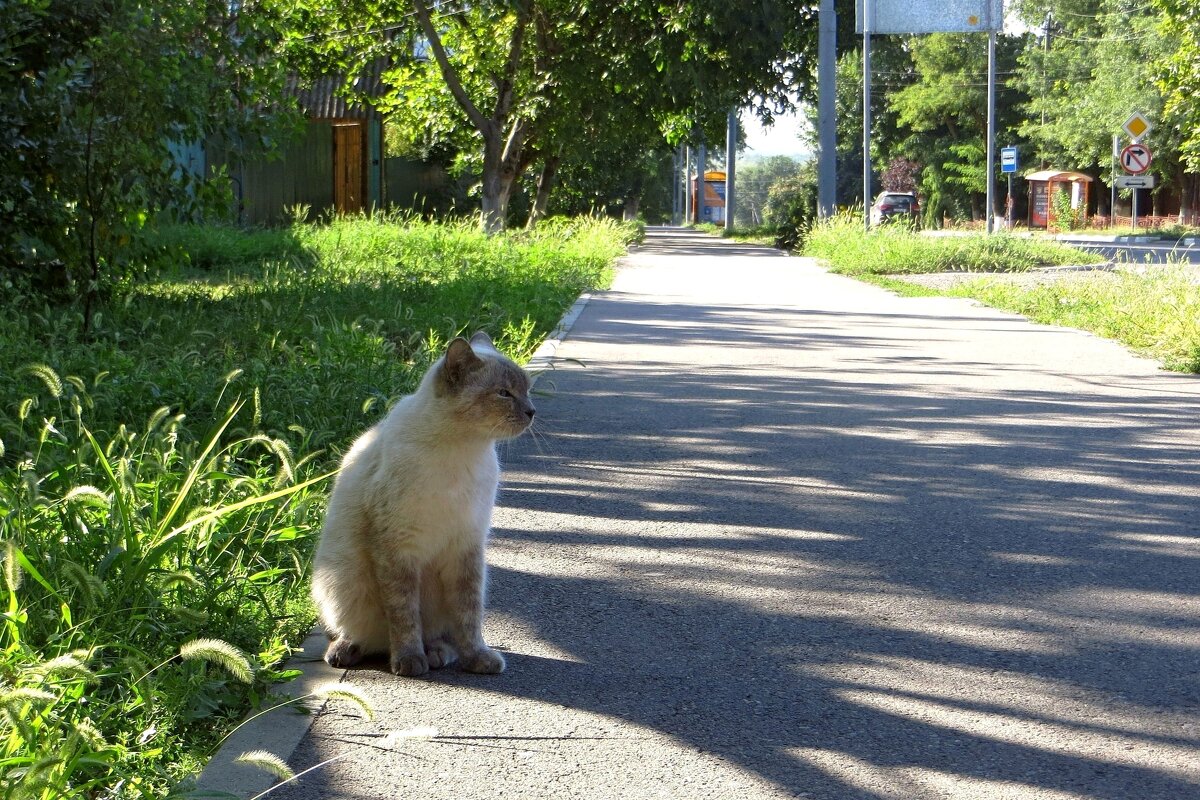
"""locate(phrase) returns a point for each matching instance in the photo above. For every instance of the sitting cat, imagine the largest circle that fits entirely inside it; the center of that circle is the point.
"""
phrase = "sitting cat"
(400, 566)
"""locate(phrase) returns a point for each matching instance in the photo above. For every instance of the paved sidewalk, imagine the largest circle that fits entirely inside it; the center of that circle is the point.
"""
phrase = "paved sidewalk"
(782, 534)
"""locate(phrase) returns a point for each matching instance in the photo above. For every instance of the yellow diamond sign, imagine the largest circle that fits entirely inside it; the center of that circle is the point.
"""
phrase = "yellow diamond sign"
(1136, 126)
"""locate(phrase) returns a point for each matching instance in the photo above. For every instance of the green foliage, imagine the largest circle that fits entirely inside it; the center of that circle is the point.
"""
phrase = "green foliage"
(894, 249)
(162, 479)
(792, 207)
(754, 181)
(1178, 74)
(97, 94)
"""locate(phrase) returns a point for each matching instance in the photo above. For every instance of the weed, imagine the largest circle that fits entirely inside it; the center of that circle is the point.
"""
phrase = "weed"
(162, 477)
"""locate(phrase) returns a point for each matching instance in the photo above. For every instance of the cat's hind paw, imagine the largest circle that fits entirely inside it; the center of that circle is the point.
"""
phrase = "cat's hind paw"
(485, 661)
(440, 654)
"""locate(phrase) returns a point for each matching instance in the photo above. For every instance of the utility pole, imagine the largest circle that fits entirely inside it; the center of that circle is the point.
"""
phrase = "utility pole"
(991, 131)
(731, 128)
(701, 165)
(826, 109)
(866, 5)
(687, 185)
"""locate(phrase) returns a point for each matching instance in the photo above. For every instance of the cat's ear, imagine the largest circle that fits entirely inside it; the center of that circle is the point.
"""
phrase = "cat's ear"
(460, 362)
(481, 338)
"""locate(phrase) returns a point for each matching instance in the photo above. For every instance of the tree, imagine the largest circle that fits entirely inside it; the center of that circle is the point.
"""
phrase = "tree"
(754, 182)
(96, 94)
(517, 76)
(1089, 66)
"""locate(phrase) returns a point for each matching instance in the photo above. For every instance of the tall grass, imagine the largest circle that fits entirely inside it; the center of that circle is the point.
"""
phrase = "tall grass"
(1156, 312)
(895, 249)
(162, 477)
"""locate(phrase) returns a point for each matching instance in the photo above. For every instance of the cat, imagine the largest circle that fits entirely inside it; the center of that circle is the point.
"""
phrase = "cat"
(400, 566)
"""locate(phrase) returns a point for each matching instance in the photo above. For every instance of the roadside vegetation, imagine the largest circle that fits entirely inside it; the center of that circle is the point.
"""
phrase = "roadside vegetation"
(162, 474)
(896, 249)
(1153, 311)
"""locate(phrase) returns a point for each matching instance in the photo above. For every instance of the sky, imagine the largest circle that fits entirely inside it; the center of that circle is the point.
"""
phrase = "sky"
(781, 139)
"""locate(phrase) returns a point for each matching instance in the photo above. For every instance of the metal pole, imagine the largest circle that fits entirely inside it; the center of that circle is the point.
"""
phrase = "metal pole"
(731, 126)
(701, 165)
(1135, 191)
(687, 185)
(867, 114)
(1112, 179)
(991, 132)
(826, 109)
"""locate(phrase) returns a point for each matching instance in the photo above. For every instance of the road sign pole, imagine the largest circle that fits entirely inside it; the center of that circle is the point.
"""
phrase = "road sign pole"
(866, 114)
(1135, 194)
(1112, 203)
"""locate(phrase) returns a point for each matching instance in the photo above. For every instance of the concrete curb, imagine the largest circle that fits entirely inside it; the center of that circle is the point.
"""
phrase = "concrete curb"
(280, 731)
(543, 358)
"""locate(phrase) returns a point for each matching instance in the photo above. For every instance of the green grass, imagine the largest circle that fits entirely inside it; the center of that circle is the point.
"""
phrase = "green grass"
(162, 477)
(894, 249)
(1155, 312)
(758, 235)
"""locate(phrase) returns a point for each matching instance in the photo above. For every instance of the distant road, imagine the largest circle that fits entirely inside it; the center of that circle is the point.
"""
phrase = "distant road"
(1152, 253)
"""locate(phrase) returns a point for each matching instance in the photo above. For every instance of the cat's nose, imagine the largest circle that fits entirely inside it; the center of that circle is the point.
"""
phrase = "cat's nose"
(529, 412)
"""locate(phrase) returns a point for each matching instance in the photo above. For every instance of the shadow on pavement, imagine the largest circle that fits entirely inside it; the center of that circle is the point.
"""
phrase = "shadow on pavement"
(859, 589)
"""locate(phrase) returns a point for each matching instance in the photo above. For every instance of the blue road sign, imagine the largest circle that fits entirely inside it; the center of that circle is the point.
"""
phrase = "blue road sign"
(1008, 159)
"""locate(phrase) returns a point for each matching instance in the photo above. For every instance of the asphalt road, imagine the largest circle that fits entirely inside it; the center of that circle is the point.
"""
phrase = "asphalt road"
(1147, 253)
(782, 534)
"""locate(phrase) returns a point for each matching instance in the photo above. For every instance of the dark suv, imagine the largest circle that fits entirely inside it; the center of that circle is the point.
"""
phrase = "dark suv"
(889, 206)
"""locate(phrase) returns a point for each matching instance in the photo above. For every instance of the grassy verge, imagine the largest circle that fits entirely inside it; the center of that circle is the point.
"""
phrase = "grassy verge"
(162, 476)
(1156, 312)
(894, 249)
(760, 235)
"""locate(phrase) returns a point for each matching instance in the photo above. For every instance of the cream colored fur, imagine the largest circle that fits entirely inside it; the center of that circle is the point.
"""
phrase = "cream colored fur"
(400, 566)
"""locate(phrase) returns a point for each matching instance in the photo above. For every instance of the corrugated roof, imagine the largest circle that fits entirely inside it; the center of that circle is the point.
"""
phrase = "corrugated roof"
(320, 98)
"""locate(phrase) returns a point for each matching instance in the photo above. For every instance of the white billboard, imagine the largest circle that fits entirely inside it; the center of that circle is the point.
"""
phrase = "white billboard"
(931, 16)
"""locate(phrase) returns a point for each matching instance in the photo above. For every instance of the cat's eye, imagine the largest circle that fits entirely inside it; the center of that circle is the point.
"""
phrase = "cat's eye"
(505, 393)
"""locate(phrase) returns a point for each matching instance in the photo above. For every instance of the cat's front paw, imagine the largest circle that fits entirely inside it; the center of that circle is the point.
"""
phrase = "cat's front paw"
(342, 654)
(485, 661)
(409, 665)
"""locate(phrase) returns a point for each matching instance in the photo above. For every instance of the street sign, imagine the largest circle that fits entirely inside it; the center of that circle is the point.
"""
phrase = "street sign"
(1008, 159)
(1135, 181)
(1135, 158)
(1136, 126)
(929, 16)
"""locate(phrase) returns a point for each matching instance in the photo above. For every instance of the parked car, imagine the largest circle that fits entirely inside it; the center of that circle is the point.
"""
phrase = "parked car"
(893, 206)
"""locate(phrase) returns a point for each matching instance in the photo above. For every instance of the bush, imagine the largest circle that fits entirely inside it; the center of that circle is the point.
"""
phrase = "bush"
(791, 209)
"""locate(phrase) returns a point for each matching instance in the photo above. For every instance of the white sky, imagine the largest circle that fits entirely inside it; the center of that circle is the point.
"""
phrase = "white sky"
(781, 139)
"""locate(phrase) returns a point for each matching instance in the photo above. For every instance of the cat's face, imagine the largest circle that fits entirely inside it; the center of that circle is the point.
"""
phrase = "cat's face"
(489, 392)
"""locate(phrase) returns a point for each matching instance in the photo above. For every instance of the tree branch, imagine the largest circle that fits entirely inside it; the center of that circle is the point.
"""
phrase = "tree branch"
(449, 73)
(516, 46)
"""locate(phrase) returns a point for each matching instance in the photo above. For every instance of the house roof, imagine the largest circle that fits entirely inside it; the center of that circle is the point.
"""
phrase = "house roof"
(320, 99)
(1058, 175)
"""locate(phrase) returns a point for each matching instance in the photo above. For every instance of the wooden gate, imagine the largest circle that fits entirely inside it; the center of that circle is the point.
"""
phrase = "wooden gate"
(349, 167)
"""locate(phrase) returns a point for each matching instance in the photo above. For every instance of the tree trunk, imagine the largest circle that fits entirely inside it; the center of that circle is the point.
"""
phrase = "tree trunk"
(500, 173)
(632, 206)
(545, 183)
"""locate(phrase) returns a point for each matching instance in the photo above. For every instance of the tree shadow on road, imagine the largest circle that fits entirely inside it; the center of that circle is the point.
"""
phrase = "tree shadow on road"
(851, 587)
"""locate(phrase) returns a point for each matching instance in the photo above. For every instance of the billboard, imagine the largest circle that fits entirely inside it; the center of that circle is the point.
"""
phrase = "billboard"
(932, 16)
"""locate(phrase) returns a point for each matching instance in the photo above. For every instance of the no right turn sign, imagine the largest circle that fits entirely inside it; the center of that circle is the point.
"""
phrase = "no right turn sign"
(1135, 158)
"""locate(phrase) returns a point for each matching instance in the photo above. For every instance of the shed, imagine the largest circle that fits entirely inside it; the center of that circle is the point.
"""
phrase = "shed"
(336, 164)
(1043, 184)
